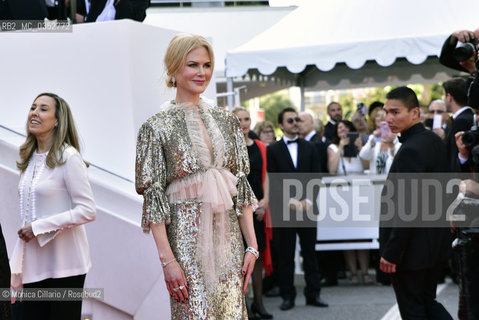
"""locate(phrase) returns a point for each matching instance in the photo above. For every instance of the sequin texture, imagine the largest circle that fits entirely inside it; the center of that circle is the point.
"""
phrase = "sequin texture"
(165, 155)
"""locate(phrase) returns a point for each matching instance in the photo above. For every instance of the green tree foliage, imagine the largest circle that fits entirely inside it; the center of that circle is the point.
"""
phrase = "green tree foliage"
(437, 91)
(272, 105)
(347, 102)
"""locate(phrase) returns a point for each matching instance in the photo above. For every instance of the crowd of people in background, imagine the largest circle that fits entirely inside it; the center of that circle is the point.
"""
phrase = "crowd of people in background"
(84, 11)
(371, 152)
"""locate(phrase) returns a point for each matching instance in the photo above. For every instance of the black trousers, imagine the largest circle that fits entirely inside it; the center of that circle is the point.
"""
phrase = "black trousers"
(53, 310)
(307, 240)
(467, 251)
(416, 294)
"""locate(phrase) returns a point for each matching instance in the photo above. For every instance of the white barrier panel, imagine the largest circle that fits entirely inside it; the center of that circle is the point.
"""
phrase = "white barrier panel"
(344, 200)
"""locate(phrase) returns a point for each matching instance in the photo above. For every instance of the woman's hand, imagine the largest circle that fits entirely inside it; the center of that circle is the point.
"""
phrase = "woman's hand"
(261, 210)
(247, 270)
(26, 233)
(343, 142)
(176, 281)
(259, 213)
(358, 143)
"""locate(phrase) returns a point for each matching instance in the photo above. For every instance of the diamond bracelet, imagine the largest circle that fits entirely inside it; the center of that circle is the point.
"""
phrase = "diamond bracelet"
(253, 251)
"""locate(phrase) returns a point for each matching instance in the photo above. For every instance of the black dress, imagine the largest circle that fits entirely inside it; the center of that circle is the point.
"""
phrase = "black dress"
(254, 179)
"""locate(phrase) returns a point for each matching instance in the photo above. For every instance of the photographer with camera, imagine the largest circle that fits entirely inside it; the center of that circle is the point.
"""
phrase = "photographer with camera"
(464, 58)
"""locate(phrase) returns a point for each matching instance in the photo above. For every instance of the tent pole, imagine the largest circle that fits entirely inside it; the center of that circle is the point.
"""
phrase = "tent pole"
(229, 88)
(301, 87)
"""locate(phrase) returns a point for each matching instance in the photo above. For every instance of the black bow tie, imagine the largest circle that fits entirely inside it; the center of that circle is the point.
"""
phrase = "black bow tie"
(293, 141)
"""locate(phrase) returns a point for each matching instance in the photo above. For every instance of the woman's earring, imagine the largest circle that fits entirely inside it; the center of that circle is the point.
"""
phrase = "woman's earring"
(173, 81)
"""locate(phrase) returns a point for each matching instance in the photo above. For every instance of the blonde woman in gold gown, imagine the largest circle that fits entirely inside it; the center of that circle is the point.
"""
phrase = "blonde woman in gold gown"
(191, 169)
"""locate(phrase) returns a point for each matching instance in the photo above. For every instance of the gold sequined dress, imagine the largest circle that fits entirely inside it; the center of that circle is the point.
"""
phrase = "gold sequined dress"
(191, 169)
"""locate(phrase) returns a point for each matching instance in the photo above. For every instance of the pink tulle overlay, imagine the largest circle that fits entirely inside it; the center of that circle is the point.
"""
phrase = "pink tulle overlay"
(214, 187)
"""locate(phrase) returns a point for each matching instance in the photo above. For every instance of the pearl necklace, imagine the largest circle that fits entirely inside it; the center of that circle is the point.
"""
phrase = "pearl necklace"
(34, 171)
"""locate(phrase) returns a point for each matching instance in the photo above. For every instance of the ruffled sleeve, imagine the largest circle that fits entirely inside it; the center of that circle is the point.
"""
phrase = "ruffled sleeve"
(245, 196)
(150, 177)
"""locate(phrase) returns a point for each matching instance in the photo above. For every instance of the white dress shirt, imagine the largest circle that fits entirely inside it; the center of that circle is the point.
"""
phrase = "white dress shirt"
(309, 135)
(458, 112)
(293, 149)
(57, 202)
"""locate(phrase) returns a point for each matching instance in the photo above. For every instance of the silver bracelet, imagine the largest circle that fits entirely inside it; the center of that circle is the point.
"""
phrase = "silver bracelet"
(164, 264)
(253, 251)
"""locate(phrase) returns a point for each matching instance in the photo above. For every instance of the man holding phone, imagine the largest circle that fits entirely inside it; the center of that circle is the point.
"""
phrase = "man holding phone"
(438, 118)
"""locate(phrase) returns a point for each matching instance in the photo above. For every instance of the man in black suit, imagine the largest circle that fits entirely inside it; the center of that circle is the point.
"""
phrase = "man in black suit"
(292, 154)
(462, 118)
(5, 306)
(335, 112)
(413, 255)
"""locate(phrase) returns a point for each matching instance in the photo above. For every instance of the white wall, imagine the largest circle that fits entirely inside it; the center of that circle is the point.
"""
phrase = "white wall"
(110, 73)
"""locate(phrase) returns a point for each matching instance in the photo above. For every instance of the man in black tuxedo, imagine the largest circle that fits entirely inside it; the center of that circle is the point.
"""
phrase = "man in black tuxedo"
(292, 154)
(462, 118)
(413, 255)
(5, 306)
(335, 113)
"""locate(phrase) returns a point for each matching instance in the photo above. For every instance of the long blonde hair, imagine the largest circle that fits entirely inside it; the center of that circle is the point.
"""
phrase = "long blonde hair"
(178, 49)
(65, 133)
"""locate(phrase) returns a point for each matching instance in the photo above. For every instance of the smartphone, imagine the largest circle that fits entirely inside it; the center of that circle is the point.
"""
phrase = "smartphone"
(350, 150)
(384, 129)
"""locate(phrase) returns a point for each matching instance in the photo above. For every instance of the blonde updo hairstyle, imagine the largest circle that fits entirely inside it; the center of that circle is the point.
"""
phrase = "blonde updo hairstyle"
(180, 46)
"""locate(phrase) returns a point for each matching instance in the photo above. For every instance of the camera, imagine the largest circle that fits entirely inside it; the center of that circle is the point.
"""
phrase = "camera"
(466, 50)
(471, 137)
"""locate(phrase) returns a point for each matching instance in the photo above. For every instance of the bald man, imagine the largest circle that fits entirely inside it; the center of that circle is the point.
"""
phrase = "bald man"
(307, 132)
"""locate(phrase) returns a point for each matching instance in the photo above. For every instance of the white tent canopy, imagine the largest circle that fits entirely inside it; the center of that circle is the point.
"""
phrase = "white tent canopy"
(327, 44)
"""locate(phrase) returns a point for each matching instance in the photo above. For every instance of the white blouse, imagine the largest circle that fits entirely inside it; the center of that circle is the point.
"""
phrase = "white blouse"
(354, 165)
(368, 152)
(57, 202)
